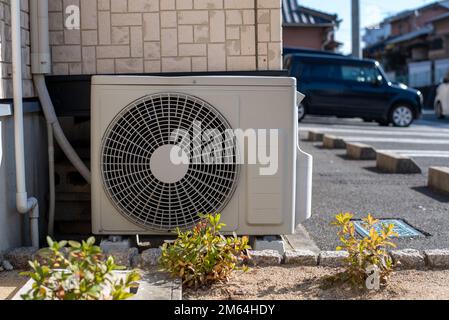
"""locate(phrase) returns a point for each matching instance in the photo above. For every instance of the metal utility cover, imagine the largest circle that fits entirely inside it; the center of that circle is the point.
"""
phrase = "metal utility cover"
(403, 229)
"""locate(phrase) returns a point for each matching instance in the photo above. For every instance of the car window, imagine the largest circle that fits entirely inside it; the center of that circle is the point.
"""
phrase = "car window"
(324, 71)
(365, 74)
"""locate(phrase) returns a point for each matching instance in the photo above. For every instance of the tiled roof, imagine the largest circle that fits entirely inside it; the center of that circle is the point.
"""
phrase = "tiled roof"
(406, 13)
(296, 15)
(412, 35)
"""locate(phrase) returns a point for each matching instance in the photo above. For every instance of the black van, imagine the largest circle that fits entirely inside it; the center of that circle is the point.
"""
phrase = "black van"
(347, 87)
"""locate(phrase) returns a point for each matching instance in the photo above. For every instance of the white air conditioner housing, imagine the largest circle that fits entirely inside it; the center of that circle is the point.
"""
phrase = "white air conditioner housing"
(136, 189)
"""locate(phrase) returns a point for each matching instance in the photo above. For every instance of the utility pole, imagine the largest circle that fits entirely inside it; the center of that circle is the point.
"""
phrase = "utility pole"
(356, 39)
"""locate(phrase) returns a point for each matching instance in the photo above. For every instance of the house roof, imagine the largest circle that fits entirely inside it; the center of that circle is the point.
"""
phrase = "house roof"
(296, 15)
(412, 35)
(407, 13)
(440, 17)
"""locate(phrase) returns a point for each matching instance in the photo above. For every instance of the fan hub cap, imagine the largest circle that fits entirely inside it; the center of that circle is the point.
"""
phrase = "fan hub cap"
(163, 167)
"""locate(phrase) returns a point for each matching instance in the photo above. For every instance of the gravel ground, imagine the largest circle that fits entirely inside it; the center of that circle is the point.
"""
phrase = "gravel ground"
(305, 283)
(342, 185)
(10, 282)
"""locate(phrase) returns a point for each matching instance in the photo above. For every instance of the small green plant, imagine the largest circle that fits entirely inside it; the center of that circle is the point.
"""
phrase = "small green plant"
(365, 252)
(203, 255)
(77, 272)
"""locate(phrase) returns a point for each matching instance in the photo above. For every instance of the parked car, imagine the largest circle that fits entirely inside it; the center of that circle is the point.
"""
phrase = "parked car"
(442, 98)
(347, 87)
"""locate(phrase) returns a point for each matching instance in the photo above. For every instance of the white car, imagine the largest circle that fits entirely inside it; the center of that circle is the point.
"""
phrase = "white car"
(442, 99)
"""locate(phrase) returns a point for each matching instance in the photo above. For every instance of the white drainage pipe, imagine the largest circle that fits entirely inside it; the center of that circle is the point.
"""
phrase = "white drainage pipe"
(41, 65)
(24, 204)
(51, 179)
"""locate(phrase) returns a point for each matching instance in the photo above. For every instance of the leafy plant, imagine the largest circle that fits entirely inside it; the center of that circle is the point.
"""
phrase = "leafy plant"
(365, 252)
(203, 255)
(77, 272)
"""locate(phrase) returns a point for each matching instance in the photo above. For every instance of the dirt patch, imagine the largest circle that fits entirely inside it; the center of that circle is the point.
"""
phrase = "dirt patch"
(306, 283)
(10, 283)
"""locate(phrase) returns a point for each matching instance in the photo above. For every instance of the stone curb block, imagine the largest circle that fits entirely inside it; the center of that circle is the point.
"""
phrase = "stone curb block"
(333, 142)
(332, 258)
(306, 258)
(315, 136)
(277, 245)
(150, 258)
(19, 257)
(264, 258)
(360, 151)
(439, 179)
(407, 259)
(438, 259)
(126, 258)
(394, 163)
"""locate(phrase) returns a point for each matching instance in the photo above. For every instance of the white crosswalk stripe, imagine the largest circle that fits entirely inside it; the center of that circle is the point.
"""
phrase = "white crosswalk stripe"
(407, 142)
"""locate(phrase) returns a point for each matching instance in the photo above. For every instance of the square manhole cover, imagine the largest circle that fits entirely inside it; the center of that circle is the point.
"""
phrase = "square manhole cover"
(403, 229)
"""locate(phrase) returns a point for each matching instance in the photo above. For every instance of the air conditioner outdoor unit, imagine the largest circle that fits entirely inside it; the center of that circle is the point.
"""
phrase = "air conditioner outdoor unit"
(140, 123)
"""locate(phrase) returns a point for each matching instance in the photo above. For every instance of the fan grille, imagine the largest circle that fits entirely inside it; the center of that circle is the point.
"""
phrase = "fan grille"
(132, 138)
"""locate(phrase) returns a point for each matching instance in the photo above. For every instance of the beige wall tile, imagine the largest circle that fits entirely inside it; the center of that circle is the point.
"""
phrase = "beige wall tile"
(143, 5)
(105, 66)
(152, 50)
(130, 65)
(216, 57)
(120, 35)
(176, 64)
(136, 42)
(152, 66)
(151, 27)
(169, 42)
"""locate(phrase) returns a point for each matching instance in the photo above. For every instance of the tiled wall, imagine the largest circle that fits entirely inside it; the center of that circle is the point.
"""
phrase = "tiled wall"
(6, 50)
(135, 36)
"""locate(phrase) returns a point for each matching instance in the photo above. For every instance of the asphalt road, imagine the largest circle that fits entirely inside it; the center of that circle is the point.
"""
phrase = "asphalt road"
(342, 185)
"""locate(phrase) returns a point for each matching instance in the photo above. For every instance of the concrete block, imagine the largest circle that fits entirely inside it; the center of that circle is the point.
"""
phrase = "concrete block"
(266, 243)
(394, 163)
(150, 258)
(115, 244)
(126, 258)
(438, 259)
(408, 259)
(301, 258)
(332, 258)
(264, 258)
(315, 136)
(19, 257)
(360, 151)
(439, 179)
(333, 142)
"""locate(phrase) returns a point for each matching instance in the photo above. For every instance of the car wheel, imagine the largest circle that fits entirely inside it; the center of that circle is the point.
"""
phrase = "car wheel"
(439, 110)
(402, 116)
(301, 112)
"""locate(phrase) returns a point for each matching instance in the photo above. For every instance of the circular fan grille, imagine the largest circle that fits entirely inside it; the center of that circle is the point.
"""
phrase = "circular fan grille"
(135, 139)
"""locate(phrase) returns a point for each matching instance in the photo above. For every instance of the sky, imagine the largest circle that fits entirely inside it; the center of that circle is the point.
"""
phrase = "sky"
(372, 12)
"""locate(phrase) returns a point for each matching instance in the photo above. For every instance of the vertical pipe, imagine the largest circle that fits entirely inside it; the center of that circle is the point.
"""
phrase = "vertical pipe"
(18, 94)
(356, 48)
(24, 205)
(51, 179)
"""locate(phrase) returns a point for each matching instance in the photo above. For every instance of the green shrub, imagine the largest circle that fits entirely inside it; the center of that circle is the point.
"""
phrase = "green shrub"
(365, 252)
(77, 272)
(203, 256)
